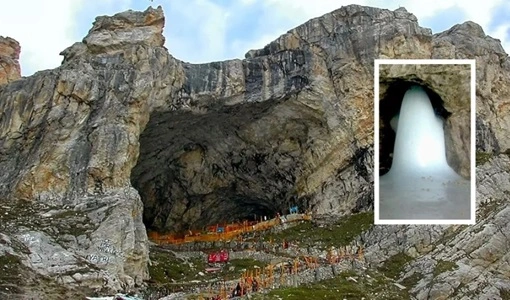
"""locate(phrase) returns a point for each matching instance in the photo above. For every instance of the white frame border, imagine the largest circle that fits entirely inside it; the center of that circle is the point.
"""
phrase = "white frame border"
(472, 63)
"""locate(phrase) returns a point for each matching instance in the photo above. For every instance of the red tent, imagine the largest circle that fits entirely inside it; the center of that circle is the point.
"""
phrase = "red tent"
(217, 257)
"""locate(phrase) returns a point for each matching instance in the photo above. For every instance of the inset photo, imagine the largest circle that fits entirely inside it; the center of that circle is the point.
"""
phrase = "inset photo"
(424, 141)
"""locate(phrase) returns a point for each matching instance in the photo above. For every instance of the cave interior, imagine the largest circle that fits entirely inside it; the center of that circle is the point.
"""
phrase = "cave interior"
(389, 106)
(236, 163)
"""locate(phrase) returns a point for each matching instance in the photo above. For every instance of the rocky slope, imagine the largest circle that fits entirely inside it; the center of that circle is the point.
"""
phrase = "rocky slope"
(123, 136)
(455, 262)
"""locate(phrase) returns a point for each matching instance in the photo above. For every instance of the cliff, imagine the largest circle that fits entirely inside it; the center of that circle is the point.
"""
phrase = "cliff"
(123, 137)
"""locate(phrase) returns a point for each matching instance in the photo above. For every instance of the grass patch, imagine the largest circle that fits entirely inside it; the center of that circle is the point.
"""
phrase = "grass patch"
(341, 233)
(9, 266)
(244, 263)
(504, 294)
(395, 264)
(456, 291)
(19, 282)
(449, 234)
(443, 266)
(168, 269)
(412, 280)
(374, 287)
(171, 274)
(485, 209)
(336, 288)
(482, 157)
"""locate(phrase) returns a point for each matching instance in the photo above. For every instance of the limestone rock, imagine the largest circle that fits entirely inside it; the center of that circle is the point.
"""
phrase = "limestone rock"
(127, 28)
(9, 55)
(122, 134)
(111, 34)
(477, 255)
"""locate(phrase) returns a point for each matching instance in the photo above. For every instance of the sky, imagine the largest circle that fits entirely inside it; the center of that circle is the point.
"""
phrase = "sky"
(200, 31)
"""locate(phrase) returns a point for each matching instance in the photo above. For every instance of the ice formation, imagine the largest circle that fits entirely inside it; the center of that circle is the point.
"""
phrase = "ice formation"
(420, 183)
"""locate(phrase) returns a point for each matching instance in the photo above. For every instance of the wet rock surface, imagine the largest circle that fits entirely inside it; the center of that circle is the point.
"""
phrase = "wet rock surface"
(292, 124)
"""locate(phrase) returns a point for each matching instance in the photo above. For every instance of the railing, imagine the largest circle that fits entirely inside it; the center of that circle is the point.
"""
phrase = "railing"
(279, 274)
(228, 232)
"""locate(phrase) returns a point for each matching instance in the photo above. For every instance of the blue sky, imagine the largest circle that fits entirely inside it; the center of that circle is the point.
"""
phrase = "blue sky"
(210, 30)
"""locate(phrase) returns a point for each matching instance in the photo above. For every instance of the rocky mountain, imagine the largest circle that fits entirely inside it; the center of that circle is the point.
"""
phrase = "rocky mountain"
(123, 137)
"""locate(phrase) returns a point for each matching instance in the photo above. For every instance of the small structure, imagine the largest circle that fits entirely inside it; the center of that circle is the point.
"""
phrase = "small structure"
(218, 257)
(116, 297)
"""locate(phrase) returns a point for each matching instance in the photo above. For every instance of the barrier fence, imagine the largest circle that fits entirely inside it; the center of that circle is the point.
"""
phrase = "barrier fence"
(224, 232)
(279, 274)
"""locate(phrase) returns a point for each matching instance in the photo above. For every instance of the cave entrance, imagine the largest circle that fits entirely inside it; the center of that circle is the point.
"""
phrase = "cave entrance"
(420, 184)
(201, 169)
(389, 107)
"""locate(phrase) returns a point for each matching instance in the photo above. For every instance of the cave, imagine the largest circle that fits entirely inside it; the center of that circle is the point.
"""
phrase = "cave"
(233, 163)
(390, 103)
(418, 183)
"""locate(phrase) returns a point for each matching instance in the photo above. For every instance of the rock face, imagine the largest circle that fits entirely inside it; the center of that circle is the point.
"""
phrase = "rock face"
(9, 55)
(85, 223)
(123, 132)
(477, 255)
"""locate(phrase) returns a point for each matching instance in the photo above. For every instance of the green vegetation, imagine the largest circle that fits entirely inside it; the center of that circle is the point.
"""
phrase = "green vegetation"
(172, 274)
(449, 234)
(486, 208)
(244, 263)
(444, 266)
(395, 264)
(18, 280)
(482, 157)
(504, 294)
(339, 234)
(10, 265)
(374, 286)
(461, 286)
(412, 280)
(168, 269)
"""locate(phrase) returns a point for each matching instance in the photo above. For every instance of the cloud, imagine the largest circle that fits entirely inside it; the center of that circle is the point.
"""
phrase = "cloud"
(196, 29)
(89, 10)
(500, 16)
(502, 32)
(436, 14)
(499, 26)
(444, 19)
(43, 29)
(240, 47)
(303, 10)
(210, 30)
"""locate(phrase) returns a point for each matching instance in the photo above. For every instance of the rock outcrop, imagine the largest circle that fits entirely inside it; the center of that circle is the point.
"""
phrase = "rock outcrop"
(73, 207)
(123, 134)
(476, 256)
(9, 55)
